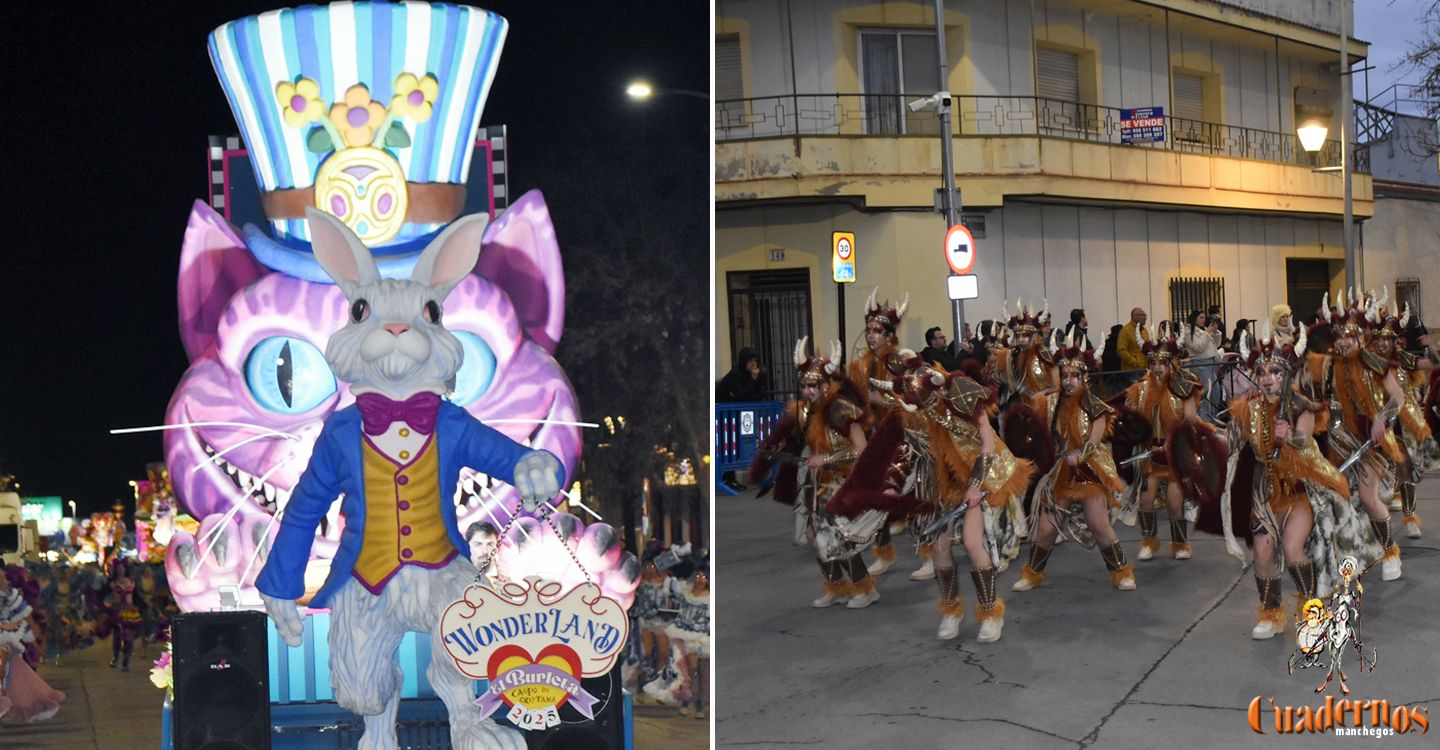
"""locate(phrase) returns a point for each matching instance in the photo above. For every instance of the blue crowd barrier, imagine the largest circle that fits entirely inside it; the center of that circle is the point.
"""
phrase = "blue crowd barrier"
(739, 428)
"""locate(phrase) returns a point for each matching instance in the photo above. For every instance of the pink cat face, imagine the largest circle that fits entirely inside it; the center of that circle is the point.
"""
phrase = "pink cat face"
(258, 389)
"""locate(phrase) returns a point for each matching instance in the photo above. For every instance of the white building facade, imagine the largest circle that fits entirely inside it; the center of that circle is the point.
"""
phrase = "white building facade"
(813, 137)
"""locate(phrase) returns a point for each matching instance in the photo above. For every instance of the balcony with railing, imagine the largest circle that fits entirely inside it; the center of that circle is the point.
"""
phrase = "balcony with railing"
(874, 149)
(991, 116)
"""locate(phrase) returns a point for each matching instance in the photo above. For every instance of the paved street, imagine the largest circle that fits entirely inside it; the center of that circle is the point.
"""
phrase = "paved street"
(1080, 663)
(106, 709)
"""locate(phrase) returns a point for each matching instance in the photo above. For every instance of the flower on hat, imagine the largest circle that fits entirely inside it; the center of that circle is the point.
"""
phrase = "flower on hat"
(300, 101)
(414, 96)
(358, 116)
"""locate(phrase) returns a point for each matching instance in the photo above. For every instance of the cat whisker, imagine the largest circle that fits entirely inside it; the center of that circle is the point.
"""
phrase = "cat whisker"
(218, 454)
(541, 421)
(163, 427)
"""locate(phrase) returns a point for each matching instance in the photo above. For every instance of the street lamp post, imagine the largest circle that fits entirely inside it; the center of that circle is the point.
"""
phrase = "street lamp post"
(1312, 134)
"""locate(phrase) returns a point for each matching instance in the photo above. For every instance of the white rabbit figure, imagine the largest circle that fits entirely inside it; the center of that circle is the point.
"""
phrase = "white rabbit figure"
(396, 456)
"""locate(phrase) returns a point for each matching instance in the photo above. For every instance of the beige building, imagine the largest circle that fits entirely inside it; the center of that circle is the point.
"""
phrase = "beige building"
(813, 136)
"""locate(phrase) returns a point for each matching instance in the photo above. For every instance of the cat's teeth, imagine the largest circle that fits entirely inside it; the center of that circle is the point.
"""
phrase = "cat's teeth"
(269, 492)
(282, 498)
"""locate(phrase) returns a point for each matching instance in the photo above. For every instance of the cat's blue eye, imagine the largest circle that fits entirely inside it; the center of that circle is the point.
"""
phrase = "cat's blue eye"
(477, 371)
(288, 375)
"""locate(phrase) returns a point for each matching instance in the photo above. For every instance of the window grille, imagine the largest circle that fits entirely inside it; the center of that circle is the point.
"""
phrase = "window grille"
(1188, 294)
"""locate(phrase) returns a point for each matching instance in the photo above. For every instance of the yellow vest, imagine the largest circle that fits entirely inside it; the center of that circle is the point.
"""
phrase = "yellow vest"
(403, 523)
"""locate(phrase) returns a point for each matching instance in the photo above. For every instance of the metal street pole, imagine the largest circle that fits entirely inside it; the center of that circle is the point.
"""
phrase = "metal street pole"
(1347, 106)
(949, 203)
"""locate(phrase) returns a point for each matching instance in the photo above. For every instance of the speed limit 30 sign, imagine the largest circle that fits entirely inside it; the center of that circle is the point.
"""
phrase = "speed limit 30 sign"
(960, 249)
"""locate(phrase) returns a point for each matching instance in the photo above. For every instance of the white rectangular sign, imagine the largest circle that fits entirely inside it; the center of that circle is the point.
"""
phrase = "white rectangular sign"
(963, 287)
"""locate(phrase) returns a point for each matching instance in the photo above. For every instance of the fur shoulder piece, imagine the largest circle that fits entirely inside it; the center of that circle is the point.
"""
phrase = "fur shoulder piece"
(1185, 384)
(968, 398)
(1374, 362)
(1094, 407)
(894, 362)
(1302, 403)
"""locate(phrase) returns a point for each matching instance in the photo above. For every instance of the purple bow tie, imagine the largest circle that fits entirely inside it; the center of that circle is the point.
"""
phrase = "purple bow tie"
(418, 411)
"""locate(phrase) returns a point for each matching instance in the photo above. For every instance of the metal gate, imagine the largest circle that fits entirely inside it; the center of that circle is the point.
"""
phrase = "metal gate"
(1198, 293)
(770, 311)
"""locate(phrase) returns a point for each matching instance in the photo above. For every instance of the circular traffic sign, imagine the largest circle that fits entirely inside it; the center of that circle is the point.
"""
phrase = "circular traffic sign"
(960, 249)
(842, 248)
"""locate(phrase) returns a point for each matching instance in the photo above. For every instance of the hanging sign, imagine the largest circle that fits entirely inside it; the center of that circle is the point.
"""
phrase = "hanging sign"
(960, 249)
(534, 645)
(1144, 125)
(842, 257)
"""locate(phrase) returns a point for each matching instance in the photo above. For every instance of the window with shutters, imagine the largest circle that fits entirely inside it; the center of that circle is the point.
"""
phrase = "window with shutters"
(1189, 97)
(1065, 82)
(898, 66)
(729, 83)
(1057, 74)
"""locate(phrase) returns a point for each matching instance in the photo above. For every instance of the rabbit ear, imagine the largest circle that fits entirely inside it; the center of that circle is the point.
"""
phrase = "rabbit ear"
(451, 256)
(343, 256)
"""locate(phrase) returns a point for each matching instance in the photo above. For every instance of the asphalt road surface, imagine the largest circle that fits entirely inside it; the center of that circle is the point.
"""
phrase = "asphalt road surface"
(1080, 664)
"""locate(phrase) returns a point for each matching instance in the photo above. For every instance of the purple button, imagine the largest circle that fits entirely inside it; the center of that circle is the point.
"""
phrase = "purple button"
(407, 554)
(403, 480)
(405, 530)
(404, 504)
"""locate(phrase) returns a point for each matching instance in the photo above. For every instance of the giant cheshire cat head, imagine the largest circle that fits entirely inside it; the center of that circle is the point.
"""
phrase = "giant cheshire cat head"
(258, 389)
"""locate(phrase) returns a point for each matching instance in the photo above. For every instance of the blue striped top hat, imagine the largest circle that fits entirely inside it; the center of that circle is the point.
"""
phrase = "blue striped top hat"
(366, 110)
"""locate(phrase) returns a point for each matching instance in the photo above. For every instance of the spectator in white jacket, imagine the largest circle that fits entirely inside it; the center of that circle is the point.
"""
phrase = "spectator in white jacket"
(1202, 344)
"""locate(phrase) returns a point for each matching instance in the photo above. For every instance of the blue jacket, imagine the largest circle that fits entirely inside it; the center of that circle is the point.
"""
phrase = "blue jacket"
(337, 465)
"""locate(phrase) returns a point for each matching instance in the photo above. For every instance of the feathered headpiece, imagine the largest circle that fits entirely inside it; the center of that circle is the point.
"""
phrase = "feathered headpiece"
(1351, 319)
(921, 383)
(814, 370)
(884, 314)
(1387, 324)
(1025, 321)
(1070, 355)
(1269, 351)
(1161, 346)
(993, 333)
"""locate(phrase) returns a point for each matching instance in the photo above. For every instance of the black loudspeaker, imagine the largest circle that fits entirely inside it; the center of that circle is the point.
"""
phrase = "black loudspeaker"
(222, 681)
(605, 732)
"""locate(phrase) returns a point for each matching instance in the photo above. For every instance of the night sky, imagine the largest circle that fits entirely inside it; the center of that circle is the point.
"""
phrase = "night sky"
(107, 111)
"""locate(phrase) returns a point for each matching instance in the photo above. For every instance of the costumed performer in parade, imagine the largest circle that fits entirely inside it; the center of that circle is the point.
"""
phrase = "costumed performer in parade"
(24, 696)
(1167, 396)
(1027, 367)
(874, 370)
(939, 443)
(824, 432)
(1083, 473)
(1363, 397)
(1299, 505)
(691, 629)
(652, 596)
(1416, 440)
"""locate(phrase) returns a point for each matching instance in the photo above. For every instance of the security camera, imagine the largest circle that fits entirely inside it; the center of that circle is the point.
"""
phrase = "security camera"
(920, 104)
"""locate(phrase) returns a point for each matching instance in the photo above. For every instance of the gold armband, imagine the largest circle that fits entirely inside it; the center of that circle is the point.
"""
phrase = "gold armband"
(837, 458)
(982, 466)
(1085, 451)
(1297, 440)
